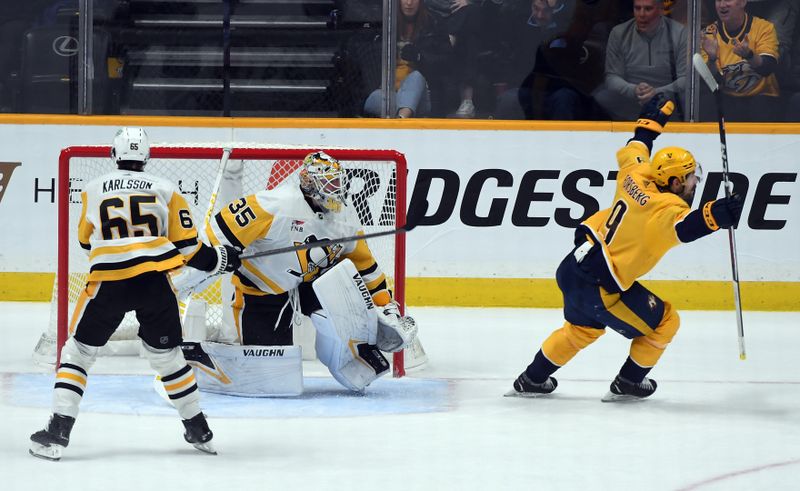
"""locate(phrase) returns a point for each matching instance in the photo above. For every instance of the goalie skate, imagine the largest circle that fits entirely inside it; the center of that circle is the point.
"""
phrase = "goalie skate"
(525, 387)
(622, 390)
(199, 434)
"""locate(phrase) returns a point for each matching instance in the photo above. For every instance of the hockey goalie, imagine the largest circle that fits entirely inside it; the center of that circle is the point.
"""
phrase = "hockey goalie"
(341, 288)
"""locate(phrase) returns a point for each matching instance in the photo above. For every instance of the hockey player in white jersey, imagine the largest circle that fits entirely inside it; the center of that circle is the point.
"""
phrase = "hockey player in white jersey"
(340, 287)
(134, 227)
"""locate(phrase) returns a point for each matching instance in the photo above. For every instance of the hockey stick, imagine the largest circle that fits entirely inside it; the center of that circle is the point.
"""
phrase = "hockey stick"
(708, 78)
(412, 219)
(223, 164)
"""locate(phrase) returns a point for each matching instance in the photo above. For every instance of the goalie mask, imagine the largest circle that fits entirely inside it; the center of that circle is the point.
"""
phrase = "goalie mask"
(130, 148)
(324, 180)
(674, 162)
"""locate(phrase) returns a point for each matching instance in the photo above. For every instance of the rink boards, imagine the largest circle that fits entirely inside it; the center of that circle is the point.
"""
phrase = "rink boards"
(503, 198)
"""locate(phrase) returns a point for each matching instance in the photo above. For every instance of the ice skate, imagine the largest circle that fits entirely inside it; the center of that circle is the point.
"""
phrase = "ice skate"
(622, 390)
(199, 434)
(48, 443)
(525, 387)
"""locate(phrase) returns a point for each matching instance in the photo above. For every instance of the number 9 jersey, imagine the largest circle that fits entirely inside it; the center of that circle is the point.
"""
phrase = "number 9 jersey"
(132, 223)
(639, 228)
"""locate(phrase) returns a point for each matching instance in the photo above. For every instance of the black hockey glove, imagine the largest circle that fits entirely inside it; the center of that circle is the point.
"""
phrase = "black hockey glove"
(727, 211)
(411, 53)
(227, 259)
(652, 119)
(655, 113)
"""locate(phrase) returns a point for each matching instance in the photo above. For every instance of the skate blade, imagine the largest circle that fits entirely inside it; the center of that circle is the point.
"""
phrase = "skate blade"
(46, 452)
(612, 397)
(205, 448)
(525, 395)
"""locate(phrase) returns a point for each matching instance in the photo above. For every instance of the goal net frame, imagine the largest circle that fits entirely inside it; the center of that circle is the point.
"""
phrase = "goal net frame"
(214, 151)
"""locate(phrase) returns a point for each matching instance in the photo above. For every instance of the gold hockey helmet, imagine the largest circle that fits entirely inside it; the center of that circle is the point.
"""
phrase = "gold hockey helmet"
(671, 162)
(324, 180)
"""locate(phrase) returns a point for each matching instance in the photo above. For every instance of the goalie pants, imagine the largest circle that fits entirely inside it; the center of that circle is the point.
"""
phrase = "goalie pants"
(266, 320)
(103, 304)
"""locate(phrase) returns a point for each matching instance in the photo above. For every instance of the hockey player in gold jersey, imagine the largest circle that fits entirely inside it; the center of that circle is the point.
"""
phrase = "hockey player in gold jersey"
(134, 227)
(651, 213)
(272, 290)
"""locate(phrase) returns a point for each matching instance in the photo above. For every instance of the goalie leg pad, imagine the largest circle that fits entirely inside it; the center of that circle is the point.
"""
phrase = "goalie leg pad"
(248, 371)
(354, 365)
(76, 360)
(177, 377)
(347, 320)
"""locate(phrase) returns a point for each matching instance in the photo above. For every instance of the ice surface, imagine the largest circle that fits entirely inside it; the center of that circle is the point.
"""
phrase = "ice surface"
(715, 423)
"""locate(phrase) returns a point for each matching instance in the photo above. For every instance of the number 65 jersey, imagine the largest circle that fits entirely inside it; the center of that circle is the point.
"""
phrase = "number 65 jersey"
(132, 223)
(281, 217)
(639, 228)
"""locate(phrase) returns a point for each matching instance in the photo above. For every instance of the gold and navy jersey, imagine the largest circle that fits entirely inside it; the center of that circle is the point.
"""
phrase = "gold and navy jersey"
(739, 78)
(132, 223)
(281, 217)
(639, 228)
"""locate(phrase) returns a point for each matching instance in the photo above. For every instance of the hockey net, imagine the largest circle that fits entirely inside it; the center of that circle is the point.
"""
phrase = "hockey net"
(377, 193)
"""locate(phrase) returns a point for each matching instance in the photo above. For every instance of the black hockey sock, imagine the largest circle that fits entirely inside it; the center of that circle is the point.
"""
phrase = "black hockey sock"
(632, 372)
(540, 368)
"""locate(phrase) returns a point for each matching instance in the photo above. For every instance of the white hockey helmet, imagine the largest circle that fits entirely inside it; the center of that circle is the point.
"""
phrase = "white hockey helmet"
(130, 145)
(324, 180)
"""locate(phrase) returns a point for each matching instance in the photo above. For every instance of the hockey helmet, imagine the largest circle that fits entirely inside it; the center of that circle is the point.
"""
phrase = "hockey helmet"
(324, 180)
(672, 162)
(130, 145)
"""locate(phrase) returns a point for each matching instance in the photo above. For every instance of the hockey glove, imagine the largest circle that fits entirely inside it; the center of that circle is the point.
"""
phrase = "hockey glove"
(725, 212)
(395, 332)
(655, 113)
(227, 260)
(411, 53)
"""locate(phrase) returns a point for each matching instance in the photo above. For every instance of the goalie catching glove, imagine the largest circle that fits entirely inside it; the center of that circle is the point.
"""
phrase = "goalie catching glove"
(395, 332)
(195, 276)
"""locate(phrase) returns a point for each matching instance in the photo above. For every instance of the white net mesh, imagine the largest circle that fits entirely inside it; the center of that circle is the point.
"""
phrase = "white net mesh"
(194, 168)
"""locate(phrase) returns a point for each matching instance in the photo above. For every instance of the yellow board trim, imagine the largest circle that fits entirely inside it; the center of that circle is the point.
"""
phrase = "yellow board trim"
(397, 123)
(26, 287)
(510, 292)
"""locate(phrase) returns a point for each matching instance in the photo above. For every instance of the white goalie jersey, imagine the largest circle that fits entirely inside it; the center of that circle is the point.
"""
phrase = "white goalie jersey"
(281, 217)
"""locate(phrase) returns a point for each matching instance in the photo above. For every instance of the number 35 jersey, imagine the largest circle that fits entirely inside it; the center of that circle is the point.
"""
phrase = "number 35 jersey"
(639, 228)
(279, 218)
(132, 223)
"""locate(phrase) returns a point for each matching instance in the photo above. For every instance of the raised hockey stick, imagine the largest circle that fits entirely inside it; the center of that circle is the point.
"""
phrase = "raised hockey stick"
(223, 164)
(708, 78)
(412, 219)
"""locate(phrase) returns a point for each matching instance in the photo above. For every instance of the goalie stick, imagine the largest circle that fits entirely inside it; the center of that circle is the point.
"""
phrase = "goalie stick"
(223, 164)
(711, 82)
(412, 220)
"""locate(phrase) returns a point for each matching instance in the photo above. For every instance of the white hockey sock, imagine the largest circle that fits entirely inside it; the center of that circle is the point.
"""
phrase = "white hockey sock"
(178, 379)
(76, 361)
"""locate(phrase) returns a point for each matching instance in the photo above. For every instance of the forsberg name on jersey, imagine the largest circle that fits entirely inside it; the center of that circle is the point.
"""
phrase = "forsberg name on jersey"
(117, 184)
(635, 191)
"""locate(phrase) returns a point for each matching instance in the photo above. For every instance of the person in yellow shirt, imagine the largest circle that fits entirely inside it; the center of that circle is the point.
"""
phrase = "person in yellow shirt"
(743, 51)
(651, 213)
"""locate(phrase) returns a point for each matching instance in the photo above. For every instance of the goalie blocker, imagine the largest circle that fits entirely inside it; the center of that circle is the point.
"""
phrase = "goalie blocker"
(351, 333)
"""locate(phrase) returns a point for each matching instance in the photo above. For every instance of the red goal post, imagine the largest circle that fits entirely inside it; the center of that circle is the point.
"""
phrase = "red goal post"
(379, 172)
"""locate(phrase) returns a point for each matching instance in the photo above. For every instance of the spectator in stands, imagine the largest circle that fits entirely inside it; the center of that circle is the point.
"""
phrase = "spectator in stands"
(423, 50)
(743, 51)
(524, 34)
(644, 55)
(463, 22)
